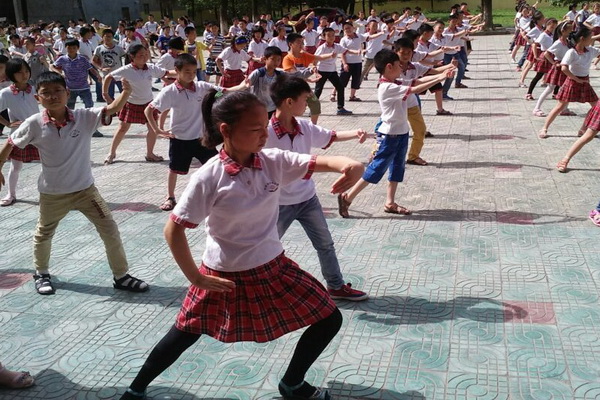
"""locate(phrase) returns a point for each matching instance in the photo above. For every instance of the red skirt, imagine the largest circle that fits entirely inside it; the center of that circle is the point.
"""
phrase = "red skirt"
(236, 76)
(28, 154)
(555, 76)
(520, 40)
(542, 64)
(572, 91)
(253, 65)
(530, 56)
(134, 113)
(268, 301)
(592, 121)
(310, 49)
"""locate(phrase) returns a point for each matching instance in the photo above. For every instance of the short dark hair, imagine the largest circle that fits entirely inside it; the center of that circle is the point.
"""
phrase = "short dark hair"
(410, 34)
(15, 65)
(177, 43)
(72, 42)
(292, 37)
(184, 59)
(188, 29)
(84, 30)
(327, 30)
(258, 29)
(383, 58)
(425, 28)
(130, 28)
(49, 77)
(133, 50)
(3, 59)
(272, 51)
(107, 31)
(347, 23)
(404, 43)
(287, 86)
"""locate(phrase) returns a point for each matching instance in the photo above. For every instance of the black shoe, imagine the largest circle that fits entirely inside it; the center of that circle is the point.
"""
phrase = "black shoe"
(97, 134)
(428, 134)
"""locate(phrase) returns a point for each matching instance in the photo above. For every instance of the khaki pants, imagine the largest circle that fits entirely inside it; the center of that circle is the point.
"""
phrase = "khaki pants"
(54, 207)
(417, 124)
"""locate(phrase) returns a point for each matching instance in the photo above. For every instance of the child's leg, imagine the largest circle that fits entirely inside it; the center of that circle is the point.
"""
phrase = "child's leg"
(86, 97)
(150, 142)
(314, 105)
(53, 208)
(439, 100)
(447, 82)
(310, 346)
(396, 174)
(534, 82)
(390, 198)
(526, 70)
(587, 137)
(12, 179)
(560, 105)
(415, 119)
(549, 89)
(515, 50)
(93, 206)
(321, 83)
(171, 184)
(335, 81)
(356, 189)
(164, 354)
(72, 99)
(524, 56)
(119, 135)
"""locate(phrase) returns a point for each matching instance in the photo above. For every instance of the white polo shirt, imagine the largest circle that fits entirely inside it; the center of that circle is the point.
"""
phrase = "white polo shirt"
(392, 98)
(240, 207)
(140, 80)
(428, 47)
(452, 40)
(20, 105)
(186, 121)
(328, 65)
(413, 71)
(282, 44)
(579, 64)
(86, 49)
(232, 60)
(374, 45)
(593, 20)
(354, 43)
(311, 38)
(558, 49)
(65, 151)
(545, 40)
(306, 136)
(257, 48)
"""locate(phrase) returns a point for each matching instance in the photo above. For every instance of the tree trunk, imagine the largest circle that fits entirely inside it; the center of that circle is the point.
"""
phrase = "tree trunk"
(486, 6)
(223, 18)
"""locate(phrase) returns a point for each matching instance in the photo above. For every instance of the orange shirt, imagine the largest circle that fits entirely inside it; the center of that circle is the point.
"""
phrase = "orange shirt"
(290, 62)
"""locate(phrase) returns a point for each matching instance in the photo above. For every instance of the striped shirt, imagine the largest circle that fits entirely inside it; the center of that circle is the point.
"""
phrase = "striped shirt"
(76, 71)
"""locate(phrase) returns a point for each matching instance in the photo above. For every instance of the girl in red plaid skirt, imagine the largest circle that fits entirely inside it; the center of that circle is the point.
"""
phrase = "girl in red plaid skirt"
(246, 289)
(532, 49)
(576, 66)
(592, 124)
(555, 77)
(19, 100)
(541, 64)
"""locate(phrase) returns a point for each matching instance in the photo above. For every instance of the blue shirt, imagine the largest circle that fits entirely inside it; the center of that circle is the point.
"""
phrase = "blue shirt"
(76, 71)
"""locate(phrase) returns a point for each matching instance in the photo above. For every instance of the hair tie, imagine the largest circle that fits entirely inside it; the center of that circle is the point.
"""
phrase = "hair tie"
(218, 94)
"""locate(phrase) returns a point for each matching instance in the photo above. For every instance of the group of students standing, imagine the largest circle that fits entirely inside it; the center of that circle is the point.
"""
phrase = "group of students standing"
(561, 53)
(256, 174)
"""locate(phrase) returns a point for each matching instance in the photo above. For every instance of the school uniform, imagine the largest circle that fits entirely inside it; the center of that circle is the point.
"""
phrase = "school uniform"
(413, 110)
(372, 47)
(273, 296)
(354, 61)
(555, 76)
(327, 70)
(391, 153)
(141, 95)
(257, 50)
(533, 35)
(579, 65)
(232, 63)
(310, 40)
(594, 21)
(544, 41)
(20, 105)
(282, 44)
(185, 123)
(523, 26)
(66, 182)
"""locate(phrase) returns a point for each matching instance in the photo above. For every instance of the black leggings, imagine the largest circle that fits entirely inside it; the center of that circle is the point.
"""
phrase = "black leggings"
(535, 81)
(311, 344)
(334, 78)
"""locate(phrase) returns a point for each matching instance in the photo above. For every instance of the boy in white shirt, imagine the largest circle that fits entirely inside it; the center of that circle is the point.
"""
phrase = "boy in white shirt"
(375, 40)
(391, 153)
(351, 63)
(63, 138)
(186, 125)
(327, 68)
(298, 200)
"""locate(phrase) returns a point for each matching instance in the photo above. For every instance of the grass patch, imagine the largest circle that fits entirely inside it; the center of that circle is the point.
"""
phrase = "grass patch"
(505, 17)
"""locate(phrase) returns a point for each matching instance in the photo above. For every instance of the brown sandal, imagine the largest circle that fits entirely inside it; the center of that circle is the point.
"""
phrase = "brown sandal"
(417, 161)
(169, 204)
(343, 206)
(154, 158)
(396, 209)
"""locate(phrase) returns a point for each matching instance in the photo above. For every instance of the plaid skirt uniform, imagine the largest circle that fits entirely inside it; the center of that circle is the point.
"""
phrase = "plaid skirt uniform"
(28, 154)
(572, 91)
(542, 64)
(236, 76)
(530, 55)
(268, 302)
(134, 113)
(310, 49)
(253, 65)
(555, 76)
(592, 120)
(520, 40)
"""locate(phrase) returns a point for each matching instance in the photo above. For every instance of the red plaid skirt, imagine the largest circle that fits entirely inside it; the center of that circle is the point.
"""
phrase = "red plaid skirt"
(134, 113)
(530, 54)
(592, 121)
(520, 40)
(555, 76)
(236, 76)
(268, 301)
(252, 65)
(572, 91)
(28, 154)
(310, 49)
(542, 64)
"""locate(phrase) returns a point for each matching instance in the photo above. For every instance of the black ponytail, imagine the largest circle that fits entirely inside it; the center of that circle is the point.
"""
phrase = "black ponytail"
(576, 36)
(560, 28)
(219, 107)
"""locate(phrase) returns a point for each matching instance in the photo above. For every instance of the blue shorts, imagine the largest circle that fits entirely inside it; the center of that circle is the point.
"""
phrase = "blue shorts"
(390, 154)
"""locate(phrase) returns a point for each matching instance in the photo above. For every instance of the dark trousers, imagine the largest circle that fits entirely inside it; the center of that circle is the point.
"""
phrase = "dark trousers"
(334, 78)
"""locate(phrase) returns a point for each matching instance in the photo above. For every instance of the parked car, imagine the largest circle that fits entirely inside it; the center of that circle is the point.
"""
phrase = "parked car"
(329, 12)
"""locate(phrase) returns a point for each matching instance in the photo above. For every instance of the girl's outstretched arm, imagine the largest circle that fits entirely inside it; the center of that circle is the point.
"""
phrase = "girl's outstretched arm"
(350, 169)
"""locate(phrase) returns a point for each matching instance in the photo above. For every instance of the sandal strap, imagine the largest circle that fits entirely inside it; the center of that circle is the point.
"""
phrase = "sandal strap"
(130, 283)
